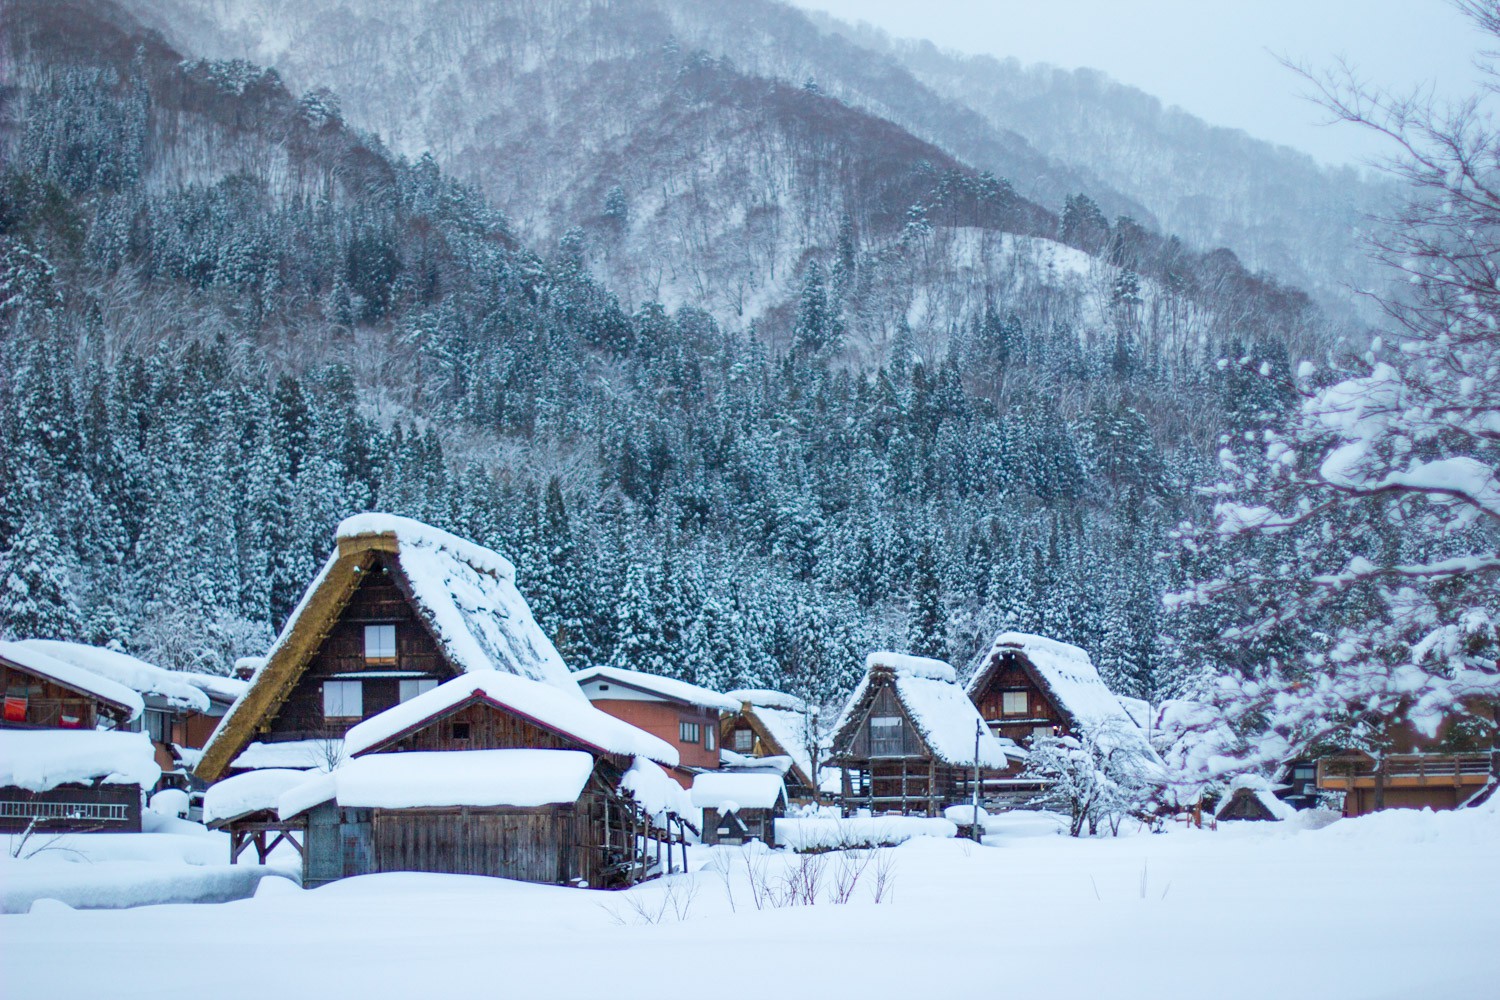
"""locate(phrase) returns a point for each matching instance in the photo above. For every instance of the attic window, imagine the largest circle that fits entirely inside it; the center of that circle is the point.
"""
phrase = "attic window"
(743, 740)
(1013, 703)
(380, 644)
(460, 730)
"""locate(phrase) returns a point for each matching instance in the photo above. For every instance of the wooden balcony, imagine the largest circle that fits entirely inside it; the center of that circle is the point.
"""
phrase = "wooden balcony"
(1417, 770)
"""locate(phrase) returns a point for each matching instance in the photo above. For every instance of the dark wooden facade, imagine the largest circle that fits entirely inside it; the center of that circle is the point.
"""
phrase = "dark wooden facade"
(601, 840)
(742, 825)
(33, 701)
(1408, 781)
(744, 733)
(1245, 804)
(72, 808)
(381, 598)
(889, 767)
(1017, 721)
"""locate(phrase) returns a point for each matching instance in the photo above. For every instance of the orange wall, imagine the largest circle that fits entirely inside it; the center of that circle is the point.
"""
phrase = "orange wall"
(660, 719)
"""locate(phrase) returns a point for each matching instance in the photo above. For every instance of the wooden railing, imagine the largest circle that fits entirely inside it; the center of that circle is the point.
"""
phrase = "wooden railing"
(1405, 770)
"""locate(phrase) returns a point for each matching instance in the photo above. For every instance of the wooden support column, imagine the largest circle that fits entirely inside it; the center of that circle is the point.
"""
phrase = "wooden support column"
(932, 786)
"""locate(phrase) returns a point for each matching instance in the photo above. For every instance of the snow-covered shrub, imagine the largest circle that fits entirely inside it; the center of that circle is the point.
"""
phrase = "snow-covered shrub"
(1098, 777)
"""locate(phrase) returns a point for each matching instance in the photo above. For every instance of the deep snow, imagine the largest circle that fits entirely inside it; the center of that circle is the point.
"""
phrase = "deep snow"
(1400, 904)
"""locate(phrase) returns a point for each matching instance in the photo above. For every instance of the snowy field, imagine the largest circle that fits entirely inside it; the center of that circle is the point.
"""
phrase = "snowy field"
(1395, 905)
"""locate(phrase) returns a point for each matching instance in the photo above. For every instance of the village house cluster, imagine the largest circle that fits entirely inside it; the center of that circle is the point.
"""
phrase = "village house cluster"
(412, 716)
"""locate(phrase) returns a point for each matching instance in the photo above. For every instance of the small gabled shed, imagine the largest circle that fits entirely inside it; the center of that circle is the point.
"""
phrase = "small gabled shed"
(739, 806)
(909, 740)
(775, 724)
(1251, 797)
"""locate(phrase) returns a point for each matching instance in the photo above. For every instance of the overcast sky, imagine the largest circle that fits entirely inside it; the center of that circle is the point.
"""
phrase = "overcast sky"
(1212, 57)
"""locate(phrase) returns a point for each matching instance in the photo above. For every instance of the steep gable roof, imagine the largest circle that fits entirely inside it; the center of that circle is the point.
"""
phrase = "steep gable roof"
(938, 708)
(123, 700)
(1066, 675)
(783, 723)
(463, 593)
(539, 703)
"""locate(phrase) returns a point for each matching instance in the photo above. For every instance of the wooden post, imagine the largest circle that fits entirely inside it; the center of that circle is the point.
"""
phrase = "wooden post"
(931, 786)
(974, 794)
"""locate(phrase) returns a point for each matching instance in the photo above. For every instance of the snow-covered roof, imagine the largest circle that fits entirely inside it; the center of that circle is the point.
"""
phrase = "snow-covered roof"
(666, 687)
(463, 592)
(225, 690)
(443, 778)
(1261, 790)
(249, 792)
(147, 679)
(539, 702)
(1138, 709)
(30, 658)
(42, 759)
(765, 698)
(1067, 675)
(731, 761)
(940, 710)
(790, 731)
(748, 790)
(296, 754)
(468, 595)
(657, 793)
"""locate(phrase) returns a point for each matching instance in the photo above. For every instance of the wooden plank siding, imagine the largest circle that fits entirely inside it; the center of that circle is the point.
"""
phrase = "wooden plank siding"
(380, 598)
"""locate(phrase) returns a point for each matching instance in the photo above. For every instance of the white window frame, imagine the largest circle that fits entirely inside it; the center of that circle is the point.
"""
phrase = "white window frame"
(1008, 700)
(685, 728)
(885, 721)
(744, 741)
(413, 686)
(343, 699)
(380, 643)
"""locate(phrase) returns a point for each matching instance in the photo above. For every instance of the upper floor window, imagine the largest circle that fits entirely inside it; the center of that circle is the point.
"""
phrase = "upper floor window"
(885, 734)
(343, 700)
(688, 732)
(158, 725)
(412, 687)
(744, 741)
(1013, 703)
(380, 644)
(710, 738)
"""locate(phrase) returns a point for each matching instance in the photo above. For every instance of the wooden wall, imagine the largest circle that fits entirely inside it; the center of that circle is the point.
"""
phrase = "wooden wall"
(29, 803)
(46, 701)
(379, 599)
(907, 743)
(488, 727)
(1009, 675)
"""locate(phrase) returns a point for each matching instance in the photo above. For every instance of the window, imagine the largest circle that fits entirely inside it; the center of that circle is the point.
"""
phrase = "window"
(885, 734)
(1304, 772)
(744, 741)
(687, 732)
(343, 700)
(411, 688)
(1013, 703)
(158, 726)
(710, 738)
(460, 730)
(1043, 731)
(380, 644)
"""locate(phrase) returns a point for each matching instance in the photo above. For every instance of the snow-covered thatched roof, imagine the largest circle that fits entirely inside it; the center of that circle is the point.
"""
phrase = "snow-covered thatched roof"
(464, 593)
(1262, 791)
(41, 759)
(938, 708)
(27, 656)
(668, 688)
(785, 726)
(1067, 676)
(540, 703)
(171, 687)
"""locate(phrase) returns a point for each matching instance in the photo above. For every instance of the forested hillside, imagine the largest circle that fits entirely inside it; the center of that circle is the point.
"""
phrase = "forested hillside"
(232, 317)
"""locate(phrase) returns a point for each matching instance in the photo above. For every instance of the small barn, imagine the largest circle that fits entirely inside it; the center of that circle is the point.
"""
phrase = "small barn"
(739, 806)
(773, 724)
(910, 741)
(494, 774)
(1251, 797)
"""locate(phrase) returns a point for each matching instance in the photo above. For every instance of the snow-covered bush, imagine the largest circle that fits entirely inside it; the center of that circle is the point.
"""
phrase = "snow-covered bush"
(1097, 777)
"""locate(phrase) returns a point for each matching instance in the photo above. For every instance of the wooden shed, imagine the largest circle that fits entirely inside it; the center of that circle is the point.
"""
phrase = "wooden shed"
(494, 774)
(740, 806)
(907, 739)
(1251, 797)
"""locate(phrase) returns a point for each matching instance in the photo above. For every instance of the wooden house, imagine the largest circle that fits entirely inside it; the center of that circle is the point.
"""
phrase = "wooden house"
(398, 608)
(494, 774)
(62, 766)
(771, 724)
(179, 713)
(910, 741)
(739, 806)
(684, 715)
(1028, 685)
